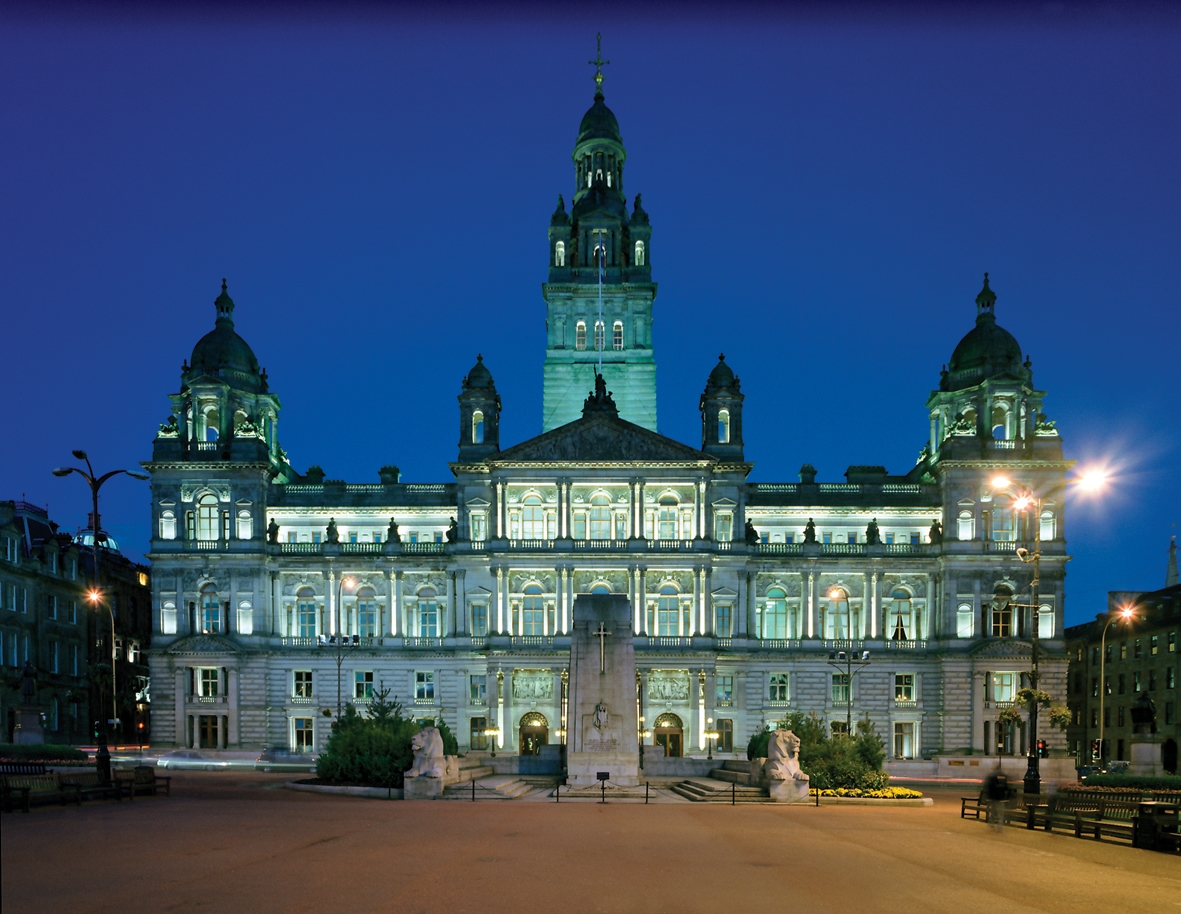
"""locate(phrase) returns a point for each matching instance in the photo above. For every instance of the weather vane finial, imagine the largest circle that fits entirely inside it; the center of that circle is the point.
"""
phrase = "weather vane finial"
(598, 63)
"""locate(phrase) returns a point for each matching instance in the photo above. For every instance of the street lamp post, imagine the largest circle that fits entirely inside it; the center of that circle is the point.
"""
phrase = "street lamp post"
(95, 595)
(492, 733)
(1126, 614)
(345, 581)
(847, 660)
(710, 735)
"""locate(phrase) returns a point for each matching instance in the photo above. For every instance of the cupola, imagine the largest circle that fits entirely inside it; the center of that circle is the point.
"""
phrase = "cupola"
(479, 415)
(721, 413)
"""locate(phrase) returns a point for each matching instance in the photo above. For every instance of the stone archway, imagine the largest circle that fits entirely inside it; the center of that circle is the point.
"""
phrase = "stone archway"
(534, 733)
(670, 733)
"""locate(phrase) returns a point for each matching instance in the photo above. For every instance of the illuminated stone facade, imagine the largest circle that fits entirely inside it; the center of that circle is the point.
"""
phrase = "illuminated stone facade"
(457, 595)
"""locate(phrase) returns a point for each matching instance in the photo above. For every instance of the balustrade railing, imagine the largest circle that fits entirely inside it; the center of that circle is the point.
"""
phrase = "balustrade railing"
(668, 641)
(422, 642)
(906, 645)
(779, 643)
(361, 548)
(533, 641)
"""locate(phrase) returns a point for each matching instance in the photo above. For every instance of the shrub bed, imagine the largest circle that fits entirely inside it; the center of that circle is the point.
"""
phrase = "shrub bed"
(842, 762)
(1127, 780)
(884, 793)
(11, 752)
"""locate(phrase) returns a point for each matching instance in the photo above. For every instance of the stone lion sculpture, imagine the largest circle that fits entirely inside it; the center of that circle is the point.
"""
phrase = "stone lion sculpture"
(427, 745)
(786, 781)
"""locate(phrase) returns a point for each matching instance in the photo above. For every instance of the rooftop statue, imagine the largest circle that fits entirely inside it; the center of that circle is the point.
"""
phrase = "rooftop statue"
(873, 536)
(810, 531)
(333, 535)
(273, 532)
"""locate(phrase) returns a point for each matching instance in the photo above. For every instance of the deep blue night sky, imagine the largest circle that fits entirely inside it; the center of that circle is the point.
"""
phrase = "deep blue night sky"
(826, 187)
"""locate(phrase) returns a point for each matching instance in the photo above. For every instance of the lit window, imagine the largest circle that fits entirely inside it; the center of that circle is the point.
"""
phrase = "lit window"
(904, 739)
(779, 688)
(836, 615)
(424, 687)
(428, 613)
(366, 613)
(965, 526)
(533, 612)
(600, 518)
(900, 616)
(668, 518)
(305, 614)
(363, 685)
(245, 525)
(904, 686)
(964, 621)
(639, 253)
(210, 611)
(304, 734)
(775, 615)
(580, 335)
(478, 686)
(723, 426)
(477, 427)
(668, 611)
(617, 335)
(1045, 621)
(560, 254)
(532, 519)
(167, 525)
(302, 684)
(1047, 529)
(599, 336)
(207, 518)
(479, 620)
(1002, 686)
(841, 691)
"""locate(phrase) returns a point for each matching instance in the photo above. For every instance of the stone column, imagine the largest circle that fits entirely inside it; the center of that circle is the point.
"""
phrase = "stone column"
(707, 603)
(701, 529)
(499, 600)
(871, 605)
(330, 601)
(233, 735)
(392, 628)
(499, 510)
(740, 607)
(181, 722)
(695, 615)
(461, 619)
(751, 621)
(640, 503)
(811, 604)
(399, 609)
(934, 433)
(563, 603)
(643, 600)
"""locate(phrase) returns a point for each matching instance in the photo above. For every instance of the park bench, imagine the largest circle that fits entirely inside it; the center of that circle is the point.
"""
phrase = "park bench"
(1091, 816)
(89, 786)
(977, 807)
(142, 779)
(37, 788)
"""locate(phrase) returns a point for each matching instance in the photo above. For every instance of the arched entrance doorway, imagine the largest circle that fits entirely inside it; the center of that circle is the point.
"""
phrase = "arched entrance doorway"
(534, 733)
(671, 734)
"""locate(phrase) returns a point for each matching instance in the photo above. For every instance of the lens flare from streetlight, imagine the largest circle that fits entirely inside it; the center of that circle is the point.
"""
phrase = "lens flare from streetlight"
(1001, 482)
(1127, 611)
(1093, 480)
(348, 583)
(1020, 504)
(94, 596)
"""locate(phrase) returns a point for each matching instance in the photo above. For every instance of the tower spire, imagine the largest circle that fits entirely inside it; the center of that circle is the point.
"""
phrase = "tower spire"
(1171, 571)
(598, 63)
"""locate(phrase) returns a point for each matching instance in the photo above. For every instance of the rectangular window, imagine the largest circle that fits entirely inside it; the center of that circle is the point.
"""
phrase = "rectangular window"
(904, 687)
(1154, 643)
(1169, 713)
(1094, 655)
(73, 660)
(1170, 678)
(1094, 686)
(617, 336)
(1002, 622)
(1123, 683)
(889, 539)
(316, 536)
(1123, 650)
(304, 734)
(428, 619)
(363, 685)
(1136, 681)
(1137, 651)
(292, 537)
(479, 527)
(478, 739)
(478, 689)
(779, 688)
(580, 526)
(1172, 642)
(903, 740)
(827, 537)
(725, 728)
(724, 691)
(301, 686)
(54, 658)
(479, 620)
(209, 682)
(840, 689)
(964, 620)
(52, 606)
(424, 687)
(852, 537)
(377, 537)
(1003, 686)
(1120, 717)
(73, 612)
(723, 612)
(1094, 717)
(723, 526)
(1152, 680)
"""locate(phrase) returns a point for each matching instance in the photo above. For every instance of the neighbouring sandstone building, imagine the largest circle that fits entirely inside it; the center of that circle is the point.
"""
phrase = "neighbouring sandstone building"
(457, 595)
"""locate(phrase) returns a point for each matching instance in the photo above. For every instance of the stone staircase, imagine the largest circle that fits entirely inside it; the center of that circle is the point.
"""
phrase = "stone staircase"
(491, 787)
(729, 783)
(472, 767)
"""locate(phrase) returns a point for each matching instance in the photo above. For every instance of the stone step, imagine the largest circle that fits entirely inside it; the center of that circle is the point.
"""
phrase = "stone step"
(467, 774)
(736, 764)
(472, 761)
(708, 790)
(741, 778)
(491, 787)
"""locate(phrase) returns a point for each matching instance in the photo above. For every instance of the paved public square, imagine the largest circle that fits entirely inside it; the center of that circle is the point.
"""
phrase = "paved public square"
(229, 841)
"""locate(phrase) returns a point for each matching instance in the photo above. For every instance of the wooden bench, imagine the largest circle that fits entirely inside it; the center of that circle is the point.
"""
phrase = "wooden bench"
(1092, 816)
(89, 786)
(143, 779)
(11, 768)
(36, 788)
(978, 807)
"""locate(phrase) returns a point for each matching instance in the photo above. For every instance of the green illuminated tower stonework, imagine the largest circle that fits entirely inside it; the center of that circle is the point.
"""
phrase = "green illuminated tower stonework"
(599, 236)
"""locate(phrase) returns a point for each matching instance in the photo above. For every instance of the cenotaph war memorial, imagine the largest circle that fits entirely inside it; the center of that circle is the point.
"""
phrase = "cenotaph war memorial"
(602, 699)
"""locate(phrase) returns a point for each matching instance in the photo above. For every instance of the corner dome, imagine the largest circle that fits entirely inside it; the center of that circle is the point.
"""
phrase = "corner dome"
(722, 376)
(986, 351)
(479, 376)
(222, 353)
(599, 123)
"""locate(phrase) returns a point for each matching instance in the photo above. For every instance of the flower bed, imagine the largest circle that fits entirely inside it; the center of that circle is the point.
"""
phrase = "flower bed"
(880, 793)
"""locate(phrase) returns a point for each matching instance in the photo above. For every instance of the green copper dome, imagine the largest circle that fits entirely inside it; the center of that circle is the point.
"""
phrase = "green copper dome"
(221, 353)
(599, 123)
(988, 350)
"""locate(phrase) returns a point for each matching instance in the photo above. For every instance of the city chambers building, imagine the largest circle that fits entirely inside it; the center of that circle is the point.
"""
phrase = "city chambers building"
(273, 589)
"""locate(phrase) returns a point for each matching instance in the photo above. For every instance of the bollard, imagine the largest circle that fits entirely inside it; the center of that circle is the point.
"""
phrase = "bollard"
(733, 791)
(645, 793)
(473, 790)
(557, 793)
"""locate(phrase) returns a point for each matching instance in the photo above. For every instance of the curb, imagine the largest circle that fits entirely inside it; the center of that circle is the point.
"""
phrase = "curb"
(874, 801)
(372, 793)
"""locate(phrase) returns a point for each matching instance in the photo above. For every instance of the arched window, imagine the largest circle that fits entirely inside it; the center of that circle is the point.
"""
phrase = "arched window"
(305, 614)
(533, 519)
(723, 426)
(477, 427)
(608, 178)
(210, 611)
(1002, 612)
(167, 525)
(560, 254)
(775, 614)
(212, 423)
(1048, 528)
(617, 335)
(245, 524)
(366, 613)
(601, 588)
(639, 253)
(207, 517)
(667, 529)
(600, 518)
(598, 336)
(1000, 423)
(533, 611)
(428, 614)
(1045, 621)
(965, 526)
(836, 615)
(964, 627)
(245, 621)
(580, 335)
(900, 618)
(668, 611)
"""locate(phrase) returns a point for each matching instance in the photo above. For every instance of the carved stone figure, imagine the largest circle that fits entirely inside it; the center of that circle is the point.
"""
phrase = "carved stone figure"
(601, 719)
(667, 687)
(453, 531)
(786, 783)
(392, 534)
(169, 428)
(810, 532)
(332, 534)
(752, 535)
(427, 745)
(272, 532)
(936, 532)
(28, 683)
(872, 535)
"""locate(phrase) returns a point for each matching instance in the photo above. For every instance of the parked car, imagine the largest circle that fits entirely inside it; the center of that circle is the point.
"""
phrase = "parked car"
(281, 758)
(191, 760)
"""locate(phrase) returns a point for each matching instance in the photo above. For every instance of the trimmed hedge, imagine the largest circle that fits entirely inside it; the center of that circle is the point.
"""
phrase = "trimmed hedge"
(1130, 781)
(11, 752)
(842, 762)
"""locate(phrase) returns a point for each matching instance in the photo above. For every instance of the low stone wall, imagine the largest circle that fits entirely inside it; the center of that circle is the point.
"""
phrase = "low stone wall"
(661, 767)
(372, 793)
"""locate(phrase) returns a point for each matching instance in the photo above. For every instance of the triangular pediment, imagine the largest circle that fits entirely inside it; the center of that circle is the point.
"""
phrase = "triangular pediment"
(601, 437)
(203, 644)
(1003, 650)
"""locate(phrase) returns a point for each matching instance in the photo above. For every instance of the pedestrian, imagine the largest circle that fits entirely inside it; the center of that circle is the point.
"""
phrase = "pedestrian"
(996, 787)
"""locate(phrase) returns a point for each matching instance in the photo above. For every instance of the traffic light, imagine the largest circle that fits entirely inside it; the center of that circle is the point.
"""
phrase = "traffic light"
(1043, 750)
(96, 729)
(1095, 754)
